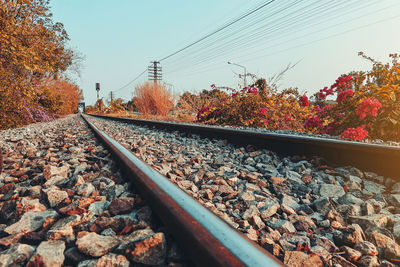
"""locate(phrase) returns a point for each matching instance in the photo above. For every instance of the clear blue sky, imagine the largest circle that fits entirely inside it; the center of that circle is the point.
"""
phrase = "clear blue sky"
(120, 37)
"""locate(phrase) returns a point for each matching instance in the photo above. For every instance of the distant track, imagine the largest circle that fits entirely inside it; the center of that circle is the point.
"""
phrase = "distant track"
(208, 240)
(381, 159)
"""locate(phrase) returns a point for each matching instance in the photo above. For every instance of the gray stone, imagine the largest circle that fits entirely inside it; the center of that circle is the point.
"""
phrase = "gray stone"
(247, 197)
(98, 207)
(112, 259)
(349, 198)
(331, 190)
(294, 177)
(16, 255)
(31, 221)
(269, 210)
(85, 189)
(54, 180)
(283, 226)
(375, 220)
(94, 244)
(48, 253)
(55, 196)
(395, 188)
(394, 200)
(87, 263)
(289, 201)
(51, 171)
(374, 187)
(108, 232)
(396, 231)
(323, 205)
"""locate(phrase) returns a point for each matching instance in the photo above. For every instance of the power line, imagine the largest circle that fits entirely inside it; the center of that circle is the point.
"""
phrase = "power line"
(201, 39)
(229, 47)
(129, 83)
(303, 44)
(218, 30)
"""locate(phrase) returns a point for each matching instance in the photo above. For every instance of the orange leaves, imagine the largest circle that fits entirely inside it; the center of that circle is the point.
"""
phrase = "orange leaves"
(32, 48)
(153, 99)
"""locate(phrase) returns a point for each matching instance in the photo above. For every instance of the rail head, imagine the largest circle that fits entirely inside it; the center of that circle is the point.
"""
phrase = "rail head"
(206, 238)
(378, 158)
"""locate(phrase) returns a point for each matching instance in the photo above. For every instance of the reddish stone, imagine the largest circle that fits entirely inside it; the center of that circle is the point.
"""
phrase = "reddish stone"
(85, 202)
(7, 188)
(306, 178)
(121, 205)
(10, 240)
(69, 192)
(277, 180)
(72, 210)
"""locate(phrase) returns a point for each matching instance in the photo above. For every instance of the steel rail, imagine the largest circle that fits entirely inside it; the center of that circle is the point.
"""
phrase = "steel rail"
(207, 239)
(381, 159)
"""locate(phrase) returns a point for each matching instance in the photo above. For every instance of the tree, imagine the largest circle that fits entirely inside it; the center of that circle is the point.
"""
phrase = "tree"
(32, 47)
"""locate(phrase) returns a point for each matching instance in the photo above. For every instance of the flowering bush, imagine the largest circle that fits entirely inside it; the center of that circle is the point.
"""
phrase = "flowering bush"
(343, 95)
(368, 107)
(367, 104)
(259, 106)
(356, 134)
(303, 101)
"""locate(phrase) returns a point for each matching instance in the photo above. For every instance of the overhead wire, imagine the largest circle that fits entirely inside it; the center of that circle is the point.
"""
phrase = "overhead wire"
(203, 38)
(255, 41)
(300, 45)
(297, 38)
(218, 30)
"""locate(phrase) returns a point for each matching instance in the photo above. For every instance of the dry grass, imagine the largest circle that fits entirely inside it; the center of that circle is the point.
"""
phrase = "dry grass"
(153, 99)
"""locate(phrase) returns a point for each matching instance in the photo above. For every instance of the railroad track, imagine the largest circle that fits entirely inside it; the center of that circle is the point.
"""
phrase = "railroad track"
(382, 159)
(300, 206)
(207, 239)
(303, 211)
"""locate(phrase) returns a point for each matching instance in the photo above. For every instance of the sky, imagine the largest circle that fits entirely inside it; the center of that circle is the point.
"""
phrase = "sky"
(322, 38)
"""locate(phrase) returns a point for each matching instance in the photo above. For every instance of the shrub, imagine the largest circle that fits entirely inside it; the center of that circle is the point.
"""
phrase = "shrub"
(260, 107)
(153, 99)
(366, 101)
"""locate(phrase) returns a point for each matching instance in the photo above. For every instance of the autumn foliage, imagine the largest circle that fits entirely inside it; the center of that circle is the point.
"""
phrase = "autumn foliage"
(153, 99)
(259, 106)
(33, 60)
(364, 105)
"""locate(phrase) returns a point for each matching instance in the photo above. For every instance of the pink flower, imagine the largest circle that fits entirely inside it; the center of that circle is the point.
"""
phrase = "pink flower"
(235, 94)
(368, 106)
(252, 90)
(304, 102)
(262, 111)
(212, 85)
(343, 95)
(265, 121)
(288, 117)
(356, 134)
(313, 122)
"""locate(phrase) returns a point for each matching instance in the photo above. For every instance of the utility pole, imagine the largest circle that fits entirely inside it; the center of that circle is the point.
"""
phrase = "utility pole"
(245, 73)
(155, 72)
(111, 96)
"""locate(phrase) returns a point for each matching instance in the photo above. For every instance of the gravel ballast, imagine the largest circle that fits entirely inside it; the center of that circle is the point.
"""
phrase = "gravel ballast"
(63, 202)
(304, 212)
